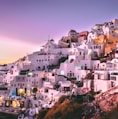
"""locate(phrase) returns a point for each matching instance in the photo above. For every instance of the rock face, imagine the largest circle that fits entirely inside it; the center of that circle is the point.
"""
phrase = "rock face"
(108, 101)
(72, 108)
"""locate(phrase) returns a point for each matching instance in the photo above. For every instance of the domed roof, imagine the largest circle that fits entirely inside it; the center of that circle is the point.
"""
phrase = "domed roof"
(72, 31)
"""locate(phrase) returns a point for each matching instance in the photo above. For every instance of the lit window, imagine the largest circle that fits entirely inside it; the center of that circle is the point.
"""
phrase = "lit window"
(62, 72)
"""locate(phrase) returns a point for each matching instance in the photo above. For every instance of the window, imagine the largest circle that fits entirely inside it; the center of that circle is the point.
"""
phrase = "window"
(113, 78)
(46, 91)
(112, 84)
(71, 74)
(62, 72)
(85, 67)
(80, 53)
(99, 76)
(111, 23)
(98, 65)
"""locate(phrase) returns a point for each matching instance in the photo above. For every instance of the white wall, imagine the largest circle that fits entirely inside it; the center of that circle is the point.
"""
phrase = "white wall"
(43, 60)
(101, 85)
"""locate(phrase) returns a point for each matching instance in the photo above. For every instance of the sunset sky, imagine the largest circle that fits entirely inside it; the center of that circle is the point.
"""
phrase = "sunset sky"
(26, 24)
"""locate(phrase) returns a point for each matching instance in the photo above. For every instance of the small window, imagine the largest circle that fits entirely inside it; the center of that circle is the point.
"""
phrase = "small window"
(46, 90)
(98, 76)
(112, 84)
(80, 53)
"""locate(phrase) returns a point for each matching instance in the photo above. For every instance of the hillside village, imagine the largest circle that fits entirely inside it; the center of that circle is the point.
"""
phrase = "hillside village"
(79, 63)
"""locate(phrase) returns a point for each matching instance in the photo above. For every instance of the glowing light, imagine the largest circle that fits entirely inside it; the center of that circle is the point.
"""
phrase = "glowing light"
(21, 91)
(89, 51)
(28, 93)
(62, 72)
(116, 31)
(15, 103)
(30, 73)
(1, 100)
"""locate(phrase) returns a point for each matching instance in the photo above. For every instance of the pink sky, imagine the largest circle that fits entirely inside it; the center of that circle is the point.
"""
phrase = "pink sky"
(14, 49)
(26, 24)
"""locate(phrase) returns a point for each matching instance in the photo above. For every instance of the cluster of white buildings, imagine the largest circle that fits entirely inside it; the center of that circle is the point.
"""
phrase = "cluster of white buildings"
(62, 68)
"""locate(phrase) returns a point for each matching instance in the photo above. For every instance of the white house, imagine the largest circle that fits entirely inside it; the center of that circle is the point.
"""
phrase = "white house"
(101, 80)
